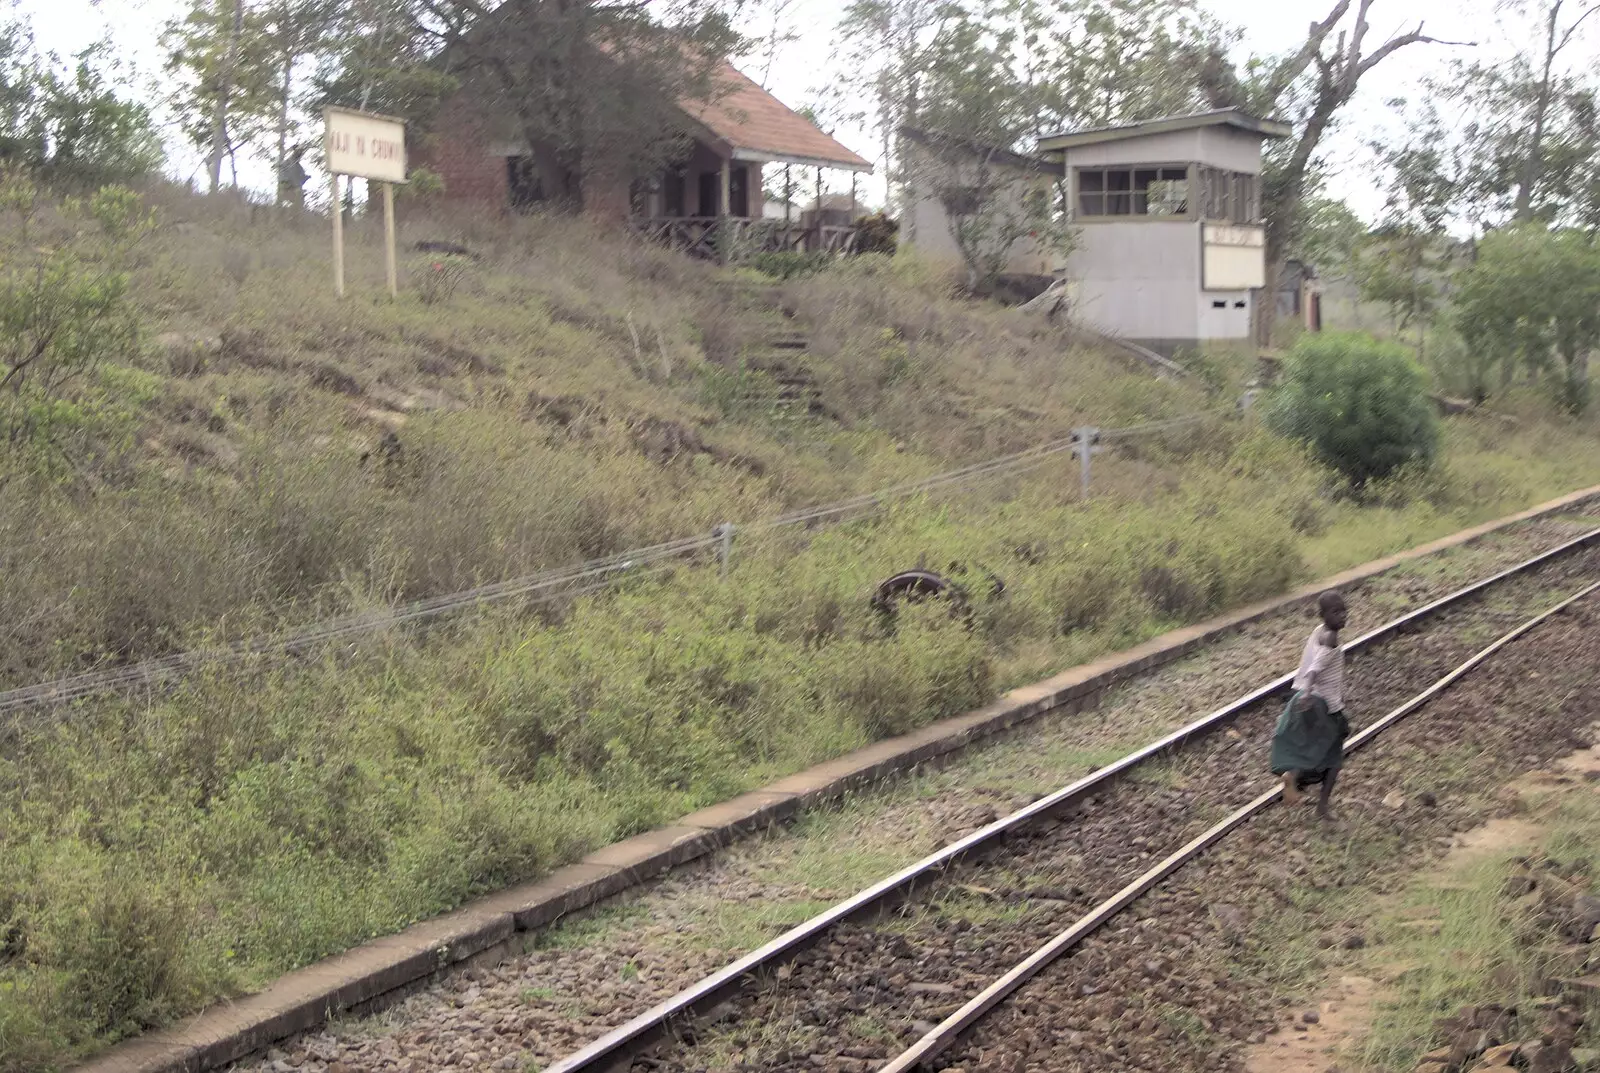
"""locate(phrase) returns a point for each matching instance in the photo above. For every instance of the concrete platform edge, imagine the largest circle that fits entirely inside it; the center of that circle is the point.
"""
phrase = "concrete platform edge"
(395, 966)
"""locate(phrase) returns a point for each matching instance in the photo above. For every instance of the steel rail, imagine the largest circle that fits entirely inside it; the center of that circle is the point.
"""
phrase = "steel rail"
(945, 1033)
(631, 1038)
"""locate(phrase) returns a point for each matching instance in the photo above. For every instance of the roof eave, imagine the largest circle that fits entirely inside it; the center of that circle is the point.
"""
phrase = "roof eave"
(768, 156)
(1267, 128)
(1022, 162)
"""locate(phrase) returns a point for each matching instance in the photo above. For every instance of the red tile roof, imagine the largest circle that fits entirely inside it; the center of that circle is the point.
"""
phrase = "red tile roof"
(756, 125)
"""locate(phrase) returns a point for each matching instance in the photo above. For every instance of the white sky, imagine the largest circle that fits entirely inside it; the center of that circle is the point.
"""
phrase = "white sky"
(805, 66)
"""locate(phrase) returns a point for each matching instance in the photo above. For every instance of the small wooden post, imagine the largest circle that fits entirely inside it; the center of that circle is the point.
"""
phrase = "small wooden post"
(388, 238)
(726, 207)
(336, 210)
(850, 236)
(819, 209)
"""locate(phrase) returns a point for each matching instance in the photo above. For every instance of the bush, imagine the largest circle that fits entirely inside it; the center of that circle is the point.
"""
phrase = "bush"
(70, 124)
(1528, 304)
(1362, 405)
(790, 264)
(877, 233)
(64, 311)
(438, 279)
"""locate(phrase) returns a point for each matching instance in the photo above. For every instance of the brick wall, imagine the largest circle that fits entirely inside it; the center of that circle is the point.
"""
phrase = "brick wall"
(458, 150)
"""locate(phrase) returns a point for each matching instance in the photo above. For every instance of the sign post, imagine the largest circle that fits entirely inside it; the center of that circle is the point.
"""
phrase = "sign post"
(338, 234)
(371, 147)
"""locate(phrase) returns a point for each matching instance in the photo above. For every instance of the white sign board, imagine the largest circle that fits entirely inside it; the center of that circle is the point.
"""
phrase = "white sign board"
(364, 145)
(1233, 258)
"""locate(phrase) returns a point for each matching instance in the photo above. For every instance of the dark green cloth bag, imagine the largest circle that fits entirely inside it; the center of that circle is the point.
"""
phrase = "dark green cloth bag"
(1312, 740)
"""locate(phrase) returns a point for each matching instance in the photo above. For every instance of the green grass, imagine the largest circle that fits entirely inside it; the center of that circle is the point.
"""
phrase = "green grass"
(157, 853)
(1477, 952)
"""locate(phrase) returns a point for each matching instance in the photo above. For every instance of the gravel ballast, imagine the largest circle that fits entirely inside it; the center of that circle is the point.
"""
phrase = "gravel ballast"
(596, 973)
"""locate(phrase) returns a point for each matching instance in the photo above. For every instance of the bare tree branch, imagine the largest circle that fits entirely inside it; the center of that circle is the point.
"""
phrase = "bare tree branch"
(1293, 67)
(1352, 63)
(1415, 37)
(1566, 38)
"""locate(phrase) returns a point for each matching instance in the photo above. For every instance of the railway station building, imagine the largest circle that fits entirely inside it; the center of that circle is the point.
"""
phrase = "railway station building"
(1169, 242)
(714, 193)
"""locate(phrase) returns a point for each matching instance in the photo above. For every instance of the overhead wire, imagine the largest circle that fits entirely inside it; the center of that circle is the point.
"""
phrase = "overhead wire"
(555, 583)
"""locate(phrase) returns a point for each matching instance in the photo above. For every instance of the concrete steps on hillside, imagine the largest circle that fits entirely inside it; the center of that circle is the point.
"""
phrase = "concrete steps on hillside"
(779, 349)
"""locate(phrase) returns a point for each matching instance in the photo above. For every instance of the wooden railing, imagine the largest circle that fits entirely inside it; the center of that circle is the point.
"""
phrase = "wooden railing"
(735, 238)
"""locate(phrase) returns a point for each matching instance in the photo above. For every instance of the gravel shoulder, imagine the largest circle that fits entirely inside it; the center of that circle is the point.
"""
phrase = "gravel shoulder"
(1223, 957)
(598, 970)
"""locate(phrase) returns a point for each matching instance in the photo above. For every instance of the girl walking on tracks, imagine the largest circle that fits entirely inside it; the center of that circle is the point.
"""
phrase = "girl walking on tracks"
(1308, 745)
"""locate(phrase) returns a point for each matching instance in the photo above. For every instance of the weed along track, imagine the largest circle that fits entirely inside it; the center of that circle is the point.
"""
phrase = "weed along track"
(849, 989)
(563, 986)
(974, 1012)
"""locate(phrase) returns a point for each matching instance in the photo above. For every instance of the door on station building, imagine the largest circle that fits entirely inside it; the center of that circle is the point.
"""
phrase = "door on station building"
(739, 192)
(710, 194)
(523, 183)
(672, 191)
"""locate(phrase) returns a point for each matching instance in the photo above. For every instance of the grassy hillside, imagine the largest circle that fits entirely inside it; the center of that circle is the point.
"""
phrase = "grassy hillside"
(567, 395)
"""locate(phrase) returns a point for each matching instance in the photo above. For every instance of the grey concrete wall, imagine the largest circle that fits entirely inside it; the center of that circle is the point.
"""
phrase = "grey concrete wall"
(1232, 321)
(1138, 279)
(1231, 148)
(929, 231)
(1176, 147)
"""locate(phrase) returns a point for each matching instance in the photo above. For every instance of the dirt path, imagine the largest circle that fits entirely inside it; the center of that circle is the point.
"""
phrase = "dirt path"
(1345, 1011)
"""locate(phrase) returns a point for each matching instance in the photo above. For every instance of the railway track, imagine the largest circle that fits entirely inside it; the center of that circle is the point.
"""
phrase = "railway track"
(1061, 866)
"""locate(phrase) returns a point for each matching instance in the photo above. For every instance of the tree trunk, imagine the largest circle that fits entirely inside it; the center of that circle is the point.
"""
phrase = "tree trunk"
(1533, 166)
(283, 119)
(1280, 226)
(219, 122)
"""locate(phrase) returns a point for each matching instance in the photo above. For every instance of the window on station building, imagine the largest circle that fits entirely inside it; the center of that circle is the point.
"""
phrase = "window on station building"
(1163, 192)
(1160, 191)
(1230, 196)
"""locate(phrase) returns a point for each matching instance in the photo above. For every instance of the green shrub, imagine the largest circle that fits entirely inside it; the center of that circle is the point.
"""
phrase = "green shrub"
(63, 311)
(877, 233)
(1530, 303)
(1362, 405)
(438, 278)
(790, 264)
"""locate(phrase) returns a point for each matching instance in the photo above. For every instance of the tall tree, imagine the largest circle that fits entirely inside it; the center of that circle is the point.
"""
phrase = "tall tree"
(1309, 87)
(597, 89)
(887, 43)
(225, 98)
(1094, 62)
(1406, 260)
(375, 62)
(1122, 61)
(1559, 33)
(979, 103)
(224, 92)
(293, 32)
(1528, 147)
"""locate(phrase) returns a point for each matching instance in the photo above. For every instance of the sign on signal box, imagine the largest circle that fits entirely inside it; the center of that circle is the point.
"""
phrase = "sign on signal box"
(366, 146)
